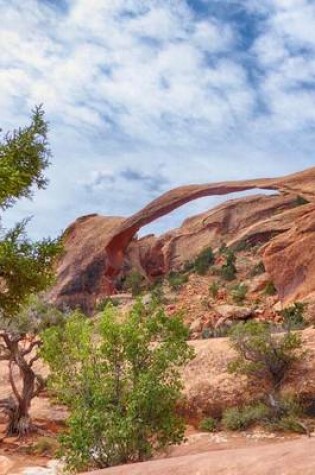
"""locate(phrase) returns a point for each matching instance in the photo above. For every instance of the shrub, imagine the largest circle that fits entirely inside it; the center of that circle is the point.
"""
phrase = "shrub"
(270, 288)
(264, 357)
(258, 269)
(176, 280)
(106, 301)
(300, 201)
(208, 424)
(204, 260)
(157, 294)
(228, 271)
(235, 418)
(239, 292)
(214, 288)
(243, 245)
(188, 266)
(133, 282)
(122, 394)
(293, 316)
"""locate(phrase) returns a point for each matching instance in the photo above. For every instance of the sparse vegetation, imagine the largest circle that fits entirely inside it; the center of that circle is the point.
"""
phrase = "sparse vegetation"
(239, 292)
(107, 301)
(258, 269)
(293, 316)
(228, 269)
(208, 424)
(236, 418)
(265, 357)
(300, 201)
(176, 280)
(134, 282)
(270, 289)
(214, 288)
(203, 261)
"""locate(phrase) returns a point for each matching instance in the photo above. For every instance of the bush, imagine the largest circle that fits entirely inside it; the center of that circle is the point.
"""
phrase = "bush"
(293, 316)
(204, 260)
(208, 424)
(264, 357)
(239, 292)
(300, 201)
(270, 288)
(176, 280)
(134, 282)
(107, 301)
(228, 271)
(258, 269)
(214, 289)
(122, 394)
(235, 418)
(243, 245)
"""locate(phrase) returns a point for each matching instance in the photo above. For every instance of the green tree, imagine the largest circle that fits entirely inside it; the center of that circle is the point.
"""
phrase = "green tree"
(25, 267)
(265, 357)
(122, 393)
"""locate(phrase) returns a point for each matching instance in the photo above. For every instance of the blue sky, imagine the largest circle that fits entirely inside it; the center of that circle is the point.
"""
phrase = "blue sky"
(145, 95)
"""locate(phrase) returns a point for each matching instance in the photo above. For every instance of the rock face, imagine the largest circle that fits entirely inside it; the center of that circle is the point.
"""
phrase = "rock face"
(97, 248)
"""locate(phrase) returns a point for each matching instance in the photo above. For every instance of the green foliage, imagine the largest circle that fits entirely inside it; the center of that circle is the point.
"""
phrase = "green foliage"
(300, 201)
(263, 356)
(121, 393)
(214, 288)
(24, 155)
(228, 271)
(236, 418)
(293, 316)
(107, 301)
(270, 288)
(243, 245)
(134, 282)
(176, 280)
(157, 293)
(208, 424)
(258, 269)
(203, 261)
(239, 292)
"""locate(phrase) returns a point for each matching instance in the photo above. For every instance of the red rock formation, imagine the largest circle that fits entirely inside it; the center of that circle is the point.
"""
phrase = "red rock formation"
(97, 247)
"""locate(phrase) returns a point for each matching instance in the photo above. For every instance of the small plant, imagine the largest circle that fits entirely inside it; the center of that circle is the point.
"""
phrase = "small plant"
(106, 301)
(214, 288)
(243, 245)
(270, 288)
(189, 266)
(47, 446)
(204, 260)
(176, 280)
(236, 418)
(208, 424)
(228, 271)
(258, 269)
(133, 282)
(293, 316)
(264, 357)
(300, 201)
(239, 292)
(157, 294)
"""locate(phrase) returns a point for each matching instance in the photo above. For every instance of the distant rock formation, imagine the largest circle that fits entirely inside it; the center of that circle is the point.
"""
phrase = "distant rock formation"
(97, 248)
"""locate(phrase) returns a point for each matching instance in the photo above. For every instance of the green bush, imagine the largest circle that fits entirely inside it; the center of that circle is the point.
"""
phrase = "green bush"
(214, 288)
(122, 394)
(134, 282)
(300, 201)
(293, 316)
(236, 418)
(264, 357)
(176, 280)
(243, 245)
(228, 271)
(208, 424)
(270, 288)
(204, 260)
(258, 269)
(239, 292)
(107, 301)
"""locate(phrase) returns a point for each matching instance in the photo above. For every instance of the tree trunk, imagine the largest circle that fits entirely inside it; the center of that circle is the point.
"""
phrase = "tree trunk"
(20, 422)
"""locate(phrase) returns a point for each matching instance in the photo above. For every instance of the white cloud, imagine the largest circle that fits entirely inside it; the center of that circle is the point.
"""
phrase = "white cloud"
(150, 83)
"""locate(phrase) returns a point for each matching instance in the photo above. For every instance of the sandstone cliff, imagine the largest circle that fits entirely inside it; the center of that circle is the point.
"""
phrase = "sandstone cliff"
(97, 248)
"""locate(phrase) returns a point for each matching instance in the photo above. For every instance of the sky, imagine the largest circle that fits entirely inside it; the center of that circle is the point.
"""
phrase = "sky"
(146, 95)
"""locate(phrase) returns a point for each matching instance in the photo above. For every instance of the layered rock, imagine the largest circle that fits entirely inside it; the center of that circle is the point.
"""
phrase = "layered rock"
(98, 249)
